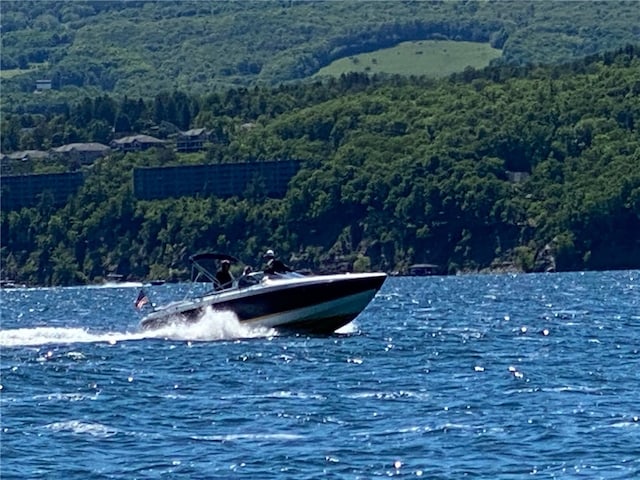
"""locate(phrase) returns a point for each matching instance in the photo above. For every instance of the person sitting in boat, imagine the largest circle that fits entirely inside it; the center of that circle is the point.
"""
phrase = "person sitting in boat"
(224, 279)
(274, 265)
(246, 280)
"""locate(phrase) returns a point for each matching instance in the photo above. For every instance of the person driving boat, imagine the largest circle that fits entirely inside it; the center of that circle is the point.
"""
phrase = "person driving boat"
(274, 265)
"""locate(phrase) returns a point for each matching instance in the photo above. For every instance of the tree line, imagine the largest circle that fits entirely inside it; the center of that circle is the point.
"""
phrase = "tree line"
(529, 168)
(133, 48)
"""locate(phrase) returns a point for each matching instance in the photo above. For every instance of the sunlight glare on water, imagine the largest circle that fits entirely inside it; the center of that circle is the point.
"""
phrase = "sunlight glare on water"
(479, 376)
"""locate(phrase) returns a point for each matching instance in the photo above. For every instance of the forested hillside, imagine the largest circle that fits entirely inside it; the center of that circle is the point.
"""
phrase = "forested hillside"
(138, 48)
(533, 167)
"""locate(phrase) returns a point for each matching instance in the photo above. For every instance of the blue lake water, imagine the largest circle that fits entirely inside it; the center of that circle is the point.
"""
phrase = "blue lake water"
(481, 376)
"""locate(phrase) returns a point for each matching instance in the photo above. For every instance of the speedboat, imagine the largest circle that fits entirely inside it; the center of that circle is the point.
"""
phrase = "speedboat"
(317, 304)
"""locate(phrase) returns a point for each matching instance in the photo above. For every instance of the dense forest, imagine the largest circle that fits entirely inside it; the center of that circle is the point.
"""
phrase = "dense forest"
(525, 167)
(138, 48)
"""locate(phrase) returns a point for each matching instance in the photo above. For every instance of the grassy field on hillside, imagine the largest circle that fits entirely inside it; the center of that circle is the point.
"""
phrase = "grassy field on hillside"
(9, 73)
(434, 58)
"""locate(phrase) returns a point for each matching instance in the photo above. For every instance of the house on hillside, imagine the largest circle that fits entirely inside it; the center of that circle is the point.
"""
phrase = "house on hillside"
(192, 140)
(19, 162)
(517, 177)
(81, 153)
(136, 143)
(44, 84)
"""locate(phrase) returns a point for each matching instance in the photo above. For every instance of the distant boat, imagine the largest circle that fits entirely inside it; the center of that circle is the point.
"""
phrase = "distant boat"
(117, 280)
(6, 284)
(423, 269)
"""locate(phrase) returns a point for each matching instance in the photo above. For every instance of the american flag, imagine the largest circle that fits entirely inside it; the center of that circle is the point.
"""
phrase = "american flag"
(142, 300)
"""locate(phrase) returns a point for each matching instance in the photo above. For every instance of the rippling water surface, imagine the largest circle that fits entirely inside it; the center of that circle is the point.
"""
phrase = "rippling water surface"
(510, 376)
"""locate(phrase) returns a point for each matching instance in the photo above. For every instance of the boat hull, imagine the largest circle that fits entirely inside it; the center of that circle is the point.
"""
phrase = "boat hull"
(316, 304)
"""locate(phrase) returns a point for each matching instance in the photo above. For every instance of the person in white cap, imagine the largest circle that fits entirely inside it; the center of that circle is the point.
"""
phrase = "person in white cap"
(274, 265)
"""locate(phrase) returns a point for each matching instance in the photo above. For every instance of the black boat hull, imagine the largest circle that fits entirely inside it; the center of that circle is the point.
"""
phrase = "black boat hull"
(317, 304)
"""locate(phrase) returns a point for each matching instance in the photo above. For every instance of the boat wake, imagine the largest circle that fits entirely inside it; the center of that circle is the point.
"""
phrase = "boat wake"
(32, 337)
(350, 328)
(116, 285)
(213, 326)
